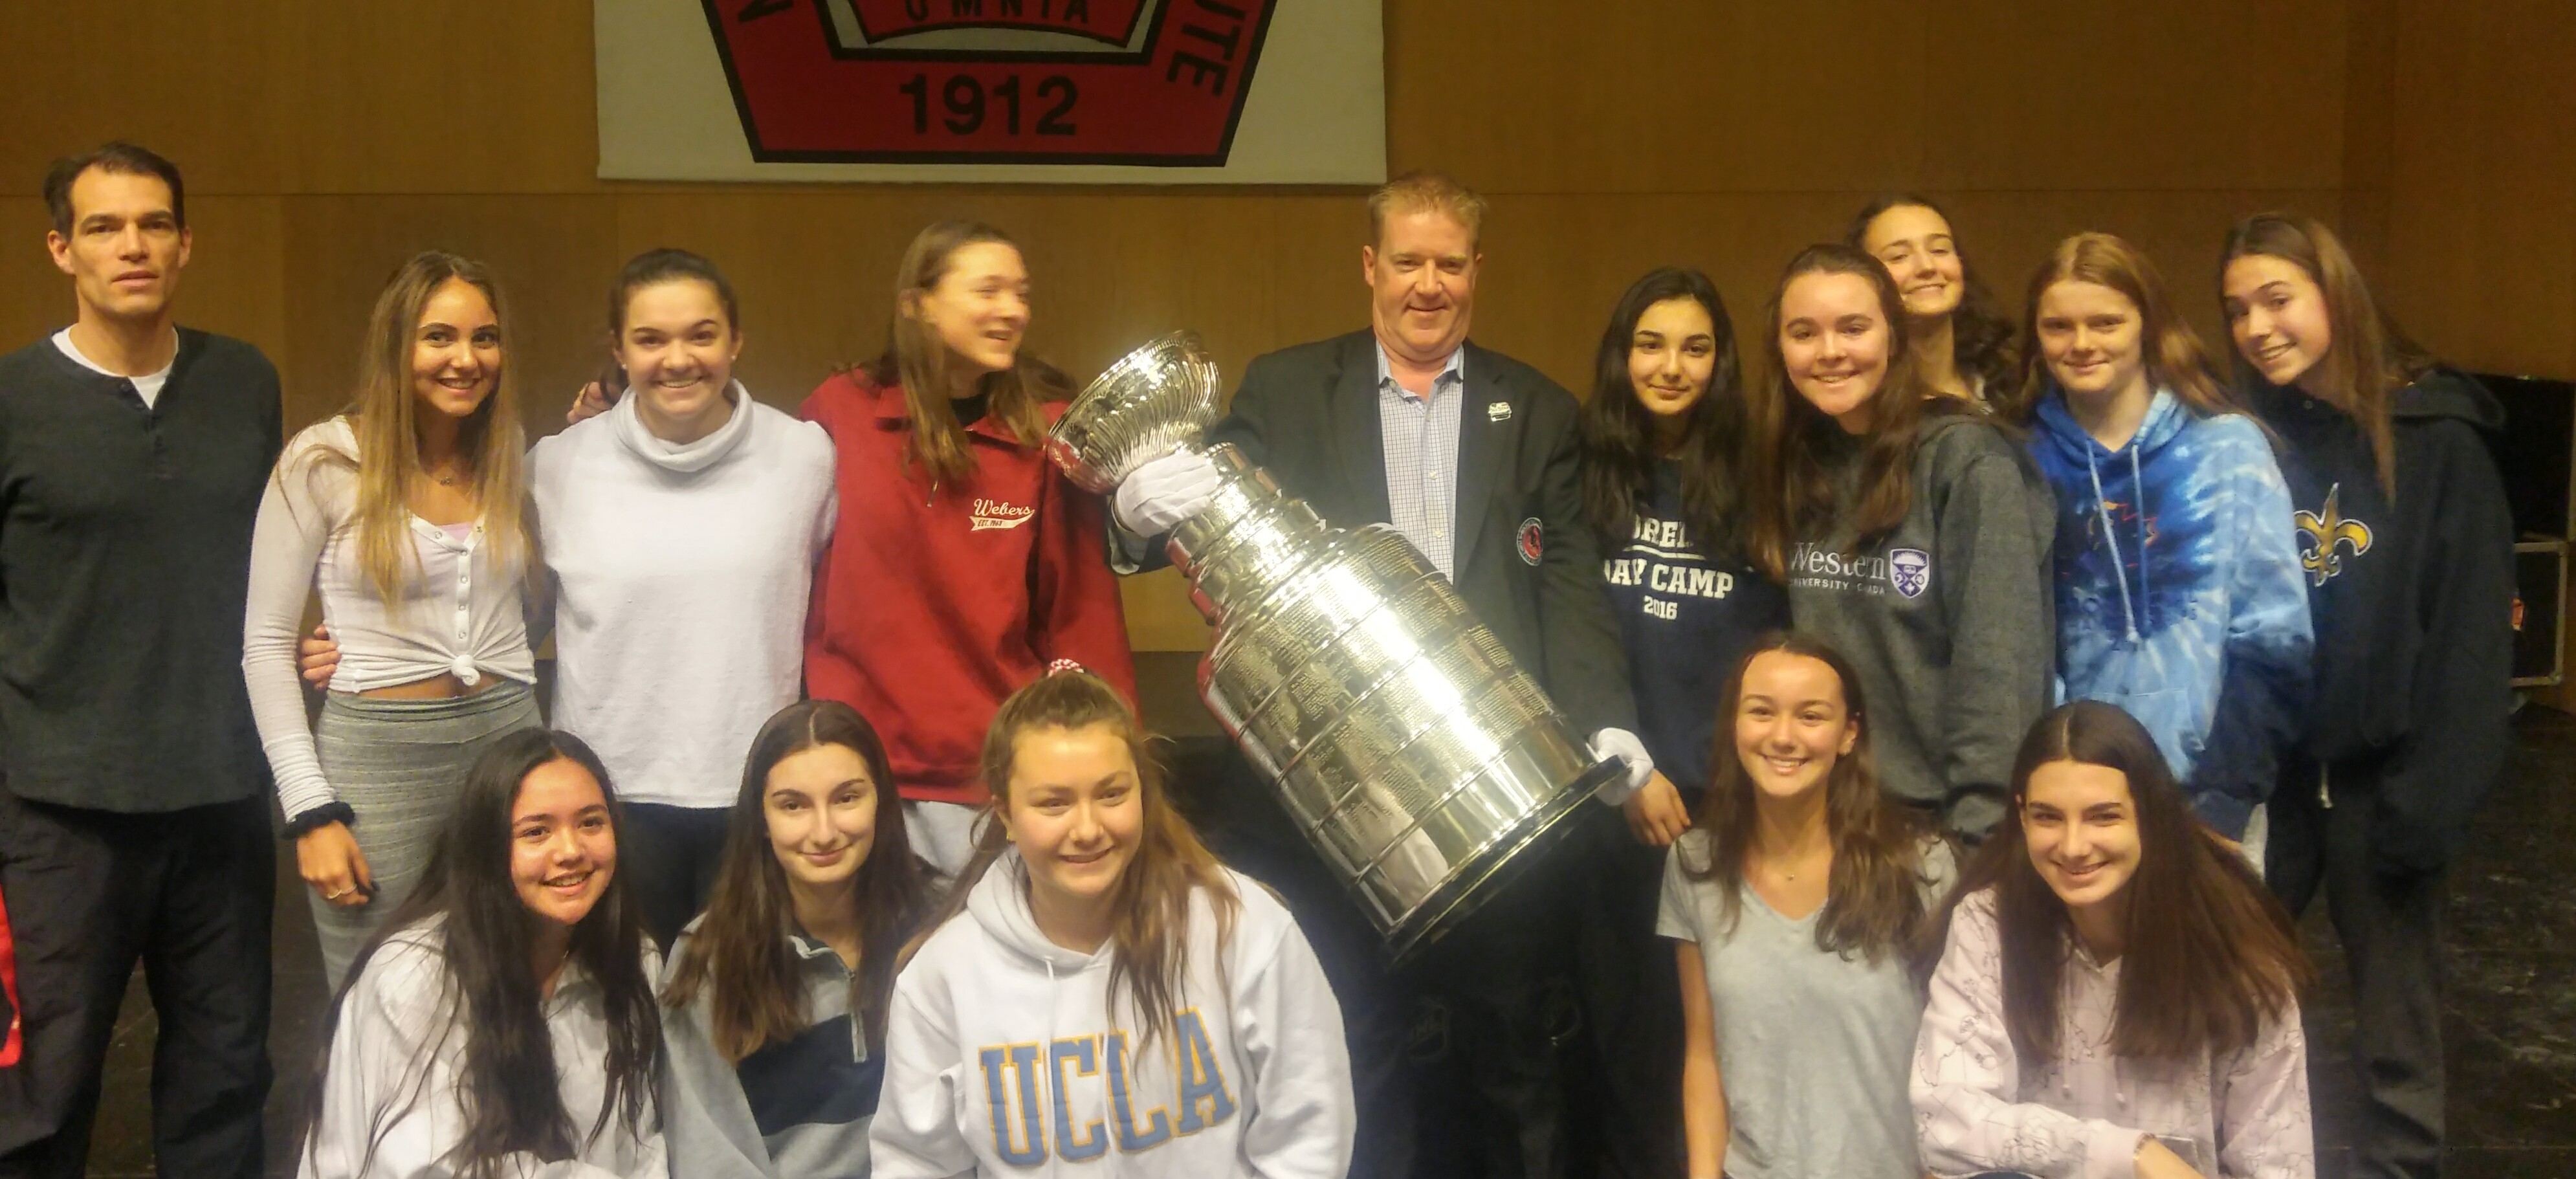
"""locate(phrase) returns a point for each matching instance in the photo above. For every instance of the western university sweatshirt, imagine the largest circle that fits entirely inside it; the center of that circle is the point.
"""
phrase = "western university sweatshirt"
(1003, 1059)
(2179, 595)
(1946, 619)
(2413, 602)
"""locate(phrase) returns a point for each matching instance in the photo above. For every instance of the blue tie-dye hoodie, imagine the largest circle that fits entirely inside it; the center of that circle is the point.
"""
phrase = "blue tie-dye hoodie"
(2179, 596)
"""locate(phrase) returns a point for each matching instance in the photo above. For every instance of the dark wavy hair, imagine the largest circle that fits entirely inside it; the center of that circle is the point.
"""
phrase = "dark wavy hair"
(1617, 435)
(1149, 938)
(2210, 955)
(740, 953)
(1874, 894)
(1981, 335)
(1788, 491)
(506, 1071)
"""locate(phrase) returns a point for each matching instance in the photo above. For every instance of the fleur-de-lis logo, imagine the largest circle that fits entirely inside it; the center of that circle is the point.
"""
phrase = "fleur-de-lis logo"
(2322, 533)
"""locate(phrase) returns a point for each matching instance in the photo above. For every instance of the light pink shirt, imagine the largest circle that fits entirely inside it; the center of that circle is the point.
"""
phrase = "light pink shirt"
(1979, 1108)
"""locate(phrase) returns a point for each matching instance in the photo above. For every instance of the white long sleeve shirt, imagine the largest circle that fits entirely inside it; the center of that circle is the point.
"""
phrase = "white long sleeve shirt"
(2080, 1116)
(1002, 1057)
(459, 608)
(392, 1075)
(681, 578)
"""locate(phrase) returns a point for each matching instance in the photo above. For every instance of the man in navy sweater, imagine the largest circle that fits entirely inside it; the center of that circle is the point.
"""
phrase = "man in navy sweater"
(133, 811)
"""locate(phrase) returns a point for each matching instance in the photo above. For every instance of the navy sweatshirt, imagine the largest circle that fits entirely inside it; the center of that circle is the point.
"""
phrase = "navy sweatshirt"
(124, 562)
(2413, 600)
(1688, 607)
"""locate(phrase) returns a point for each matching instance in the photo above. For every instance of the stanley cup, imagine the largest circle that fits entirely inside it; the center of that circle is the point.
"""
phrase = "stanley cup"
(1400, 735)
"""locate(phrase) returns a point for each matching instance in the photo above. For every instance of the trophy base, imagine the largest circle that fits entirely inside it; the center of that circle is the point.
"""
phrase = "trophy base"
(1493, 868)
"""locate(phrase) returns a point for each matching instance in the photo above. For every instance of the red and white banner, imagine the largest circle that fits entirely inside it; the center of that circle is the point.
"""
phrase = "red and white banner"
(1059, 91)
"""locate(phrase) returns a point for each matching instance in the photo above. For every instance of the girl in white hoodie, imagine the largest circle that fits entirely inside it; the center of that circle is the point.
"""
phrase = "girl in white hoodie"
(1103, 997)
(502, 1025)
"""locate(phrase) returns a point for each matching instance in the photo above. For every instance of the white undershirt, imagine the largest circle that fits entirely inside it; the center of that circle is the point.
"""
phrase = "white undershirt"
(148, 386)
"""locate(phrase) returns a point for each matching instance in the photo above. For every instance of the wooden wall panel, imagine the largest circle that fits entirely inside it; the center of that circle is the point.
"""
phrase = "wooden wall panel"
(392, 97)
(327, 141)
(197, 82)
(2481, 243)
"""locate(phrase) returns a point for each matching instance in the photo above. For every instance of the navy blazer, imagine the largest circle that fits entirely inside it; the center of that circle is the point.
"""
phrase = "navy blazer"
(1309, 415)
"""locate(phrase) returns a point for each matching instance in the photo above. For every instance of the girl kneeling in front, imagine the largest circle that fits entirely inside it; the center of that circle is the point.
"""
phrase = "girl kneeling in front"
(2118, 994)
(1101, 989)
(778, 992)
(1792, 903)
(504, 1023)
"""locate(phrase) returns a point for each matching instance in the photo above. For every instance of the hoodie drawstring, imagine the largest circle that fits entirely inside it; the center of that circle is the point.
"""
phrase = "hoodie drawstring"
(2119, 568)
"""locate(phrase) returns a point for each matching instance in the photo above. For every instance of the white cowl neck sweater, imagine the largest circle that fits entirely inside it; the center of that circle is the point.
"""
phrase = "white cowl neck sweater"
(681, 574)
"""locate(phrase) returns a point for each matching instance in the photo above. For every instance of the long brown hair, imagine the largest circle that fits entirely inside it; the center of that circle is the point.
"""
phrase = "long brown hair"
(740, 953)
(1874, 894)
(384, 416)
(1788, 491)
(1981, 335)
(1616, 434)
(2210, 956)
(2369, 359)
(1150, 945)
(917, 360)
(2175, 357)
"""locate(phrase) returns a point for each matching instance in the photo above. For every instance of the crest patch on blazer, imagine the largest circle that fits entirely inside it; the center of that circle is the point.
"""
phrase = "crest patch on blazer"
(1533, 540)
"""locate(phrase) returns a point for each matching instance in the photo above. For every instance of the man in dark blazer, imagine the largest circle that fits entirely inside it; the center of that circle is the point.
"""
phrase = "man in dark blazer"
(1471, 455)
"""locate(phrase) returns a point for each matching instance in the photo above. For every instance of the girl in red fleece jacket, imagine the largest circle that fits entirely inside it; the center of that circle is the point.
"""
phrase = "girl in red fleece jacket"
(963, 564)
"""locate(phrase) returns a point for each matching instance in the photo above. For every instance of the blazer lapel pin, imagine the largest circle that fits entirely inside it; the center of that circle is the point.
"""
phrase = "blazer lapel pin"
(1498, 411)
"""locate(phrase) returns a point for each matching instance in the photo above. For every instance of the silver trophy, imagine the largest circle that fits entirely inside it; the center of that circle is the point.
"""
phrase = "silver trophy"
(1402, 738)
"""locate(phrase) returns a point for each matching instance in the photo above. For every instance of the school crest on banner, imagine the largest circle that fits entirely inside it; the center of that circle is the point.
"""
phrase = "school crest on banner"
(1067, 91)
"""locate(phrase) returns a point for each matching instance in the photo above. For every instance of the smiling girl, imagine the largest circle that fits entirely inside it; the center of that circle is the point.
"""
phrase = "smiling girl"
(504, 1022)
(1658, 440)
(1912, 533)
(1101, 989)
(682, 529)
(778, 993)
(2117, 994)
(975, 565)
(1792, 906)
(2178, 587)
(403, 514)
(1962, 342)
(2407, 543)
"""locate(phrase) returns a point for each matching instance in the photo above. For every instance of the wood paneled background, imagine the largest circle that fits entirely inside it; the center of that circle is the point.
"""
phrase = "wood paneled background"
(325, 142)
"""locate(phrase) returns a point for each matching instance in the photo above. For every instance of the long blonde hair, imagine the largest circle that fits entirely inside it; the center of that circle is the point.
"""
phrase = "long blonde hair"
(1149, 939)
(384, 416)
(916, 359)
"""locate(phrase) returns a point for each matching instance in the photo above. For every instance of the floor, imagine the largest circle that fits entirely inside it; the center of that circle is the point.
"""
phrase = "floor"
(2510, 1034)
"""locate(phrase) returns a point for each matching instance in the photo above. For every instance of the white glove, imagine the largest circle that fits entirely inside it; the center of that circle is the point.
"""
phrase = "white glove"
(1624, 745)
(1164, 492)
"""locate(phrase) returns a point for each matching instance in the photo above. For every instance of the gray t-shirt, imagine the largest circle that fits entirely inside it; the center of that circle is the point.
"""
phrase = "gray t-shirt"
(1812, 1047)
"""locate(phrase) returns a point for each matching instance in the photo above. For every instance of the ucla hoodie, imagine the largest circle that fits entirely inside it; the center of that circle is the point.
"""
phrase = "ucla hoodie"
(2413, 600)
(2179, 596)
(1003, 1057)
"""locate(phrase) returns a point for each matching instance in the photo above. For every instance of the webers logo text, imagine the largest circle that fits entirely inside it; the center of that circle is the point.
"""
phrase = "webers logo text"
(993, 513)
